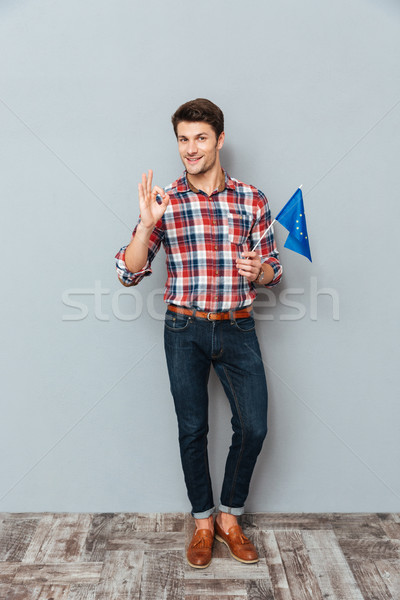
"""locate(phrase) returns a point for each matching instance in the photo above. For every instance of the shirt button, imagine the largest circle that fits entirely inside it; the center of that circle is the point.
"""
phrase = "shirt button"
(215, 297)
(214, 221)
(216, 272)
(215, 247)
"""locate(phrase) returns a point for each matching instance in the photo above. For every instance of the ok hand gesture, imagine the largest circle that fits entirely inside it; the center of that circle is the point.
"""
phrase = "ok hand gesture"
(150, 210)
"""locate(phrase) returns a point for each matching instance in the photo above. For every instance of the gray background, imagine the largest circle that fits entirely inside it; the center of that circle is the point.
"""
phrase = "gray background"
(311, 96)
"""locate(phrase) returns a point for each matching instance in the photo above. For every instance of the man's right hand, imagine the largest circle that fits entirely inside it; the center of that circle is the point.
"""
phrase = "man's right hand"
(150, 210)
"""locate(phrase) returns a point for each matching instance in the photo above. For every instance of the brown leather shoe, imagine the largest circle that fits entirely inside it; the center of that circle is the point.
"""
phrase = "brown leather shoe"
(200, 548)
(239, 545)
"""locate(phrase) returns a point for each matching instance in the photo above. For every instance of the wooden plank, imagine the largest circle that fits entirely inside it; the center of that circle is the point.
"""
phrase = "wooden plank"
(17, 592)
(302, 581)
(162, 577)
(59, 538)
(288, 521)
(40, 535)
(124, 524)
(367, 524)
(82, 592)
(220, 597)
(330, 566)
(260, 590)
(160, 522)
(17, 516)
(275, 566)
(53, 592)
(362, 526)
(58, 573)
(37, 592)
(147, 541)
(229, 568)
(7, 571)
(390, 526)
(389, 570)
(215, 588)
(96, 540)
(370, 582)
(395, 517)
(4, 587)
(15, 536)
(369, 549)
(121, 576)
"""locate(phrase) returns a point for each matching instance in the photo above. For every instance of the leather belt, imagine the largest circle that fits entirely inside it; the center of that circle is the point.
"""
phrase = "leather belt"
(212, 316)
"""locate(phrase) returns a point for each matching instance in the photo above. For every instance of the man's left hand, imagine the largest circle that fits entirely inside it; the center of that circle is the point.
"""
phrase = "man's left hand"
(249, 267)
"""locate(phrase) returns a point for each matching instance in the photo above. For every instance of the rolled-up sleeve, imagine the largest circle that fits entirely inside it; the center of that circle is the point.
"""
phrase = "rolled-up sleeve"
(267, 247)
(126, 277)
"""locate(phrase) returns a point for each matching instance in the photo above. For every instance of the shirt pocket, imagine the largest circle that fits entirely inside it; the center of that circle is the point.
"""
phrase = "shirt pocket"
(239, 224)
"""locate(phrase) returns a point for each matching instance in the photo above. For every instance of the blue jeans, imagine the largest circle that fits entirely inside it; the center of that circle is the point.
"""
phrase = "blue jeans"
(231, 346)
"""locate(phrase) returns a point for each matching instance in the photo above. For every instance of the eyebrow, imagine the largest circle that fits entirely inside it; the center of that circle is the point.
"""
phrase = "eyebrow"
(197, 135)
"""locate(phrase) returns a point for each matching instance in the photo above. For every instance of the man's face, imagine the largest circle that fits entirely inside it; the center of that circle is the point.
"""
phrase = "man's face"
(198, 146)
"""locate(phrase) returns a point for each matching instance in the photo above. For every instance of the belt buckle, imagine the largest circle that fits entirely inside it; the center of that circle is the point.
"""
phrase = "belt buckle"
(208, 316)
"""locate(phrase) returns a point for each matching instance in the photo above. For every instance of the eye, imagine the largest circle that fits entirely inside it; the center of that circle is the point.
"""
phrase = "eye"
(202, 138)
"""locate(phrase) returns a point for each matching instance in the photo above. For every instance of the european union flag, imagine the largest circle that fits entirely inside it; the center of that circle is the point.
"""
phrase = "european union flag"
(293, 218)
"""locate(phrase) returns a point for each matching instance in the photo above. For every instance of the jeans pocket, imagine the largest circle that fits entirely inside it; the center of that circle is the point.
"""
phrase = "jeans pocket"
(177, 322)
(246, 324)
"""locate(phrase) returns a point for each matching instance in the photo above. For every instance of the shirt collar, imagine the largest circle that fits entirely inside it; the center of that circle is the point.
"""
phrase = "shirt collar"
(184, 185)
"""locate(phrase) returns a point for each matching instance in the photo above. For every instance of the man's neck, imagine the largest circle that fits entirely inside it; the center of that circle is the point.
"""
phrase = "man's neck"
(209, 181)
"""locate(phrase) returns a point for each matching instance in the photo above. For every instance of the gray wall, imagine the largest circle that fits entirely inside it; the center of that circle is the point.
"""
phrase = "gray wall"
(311, 96)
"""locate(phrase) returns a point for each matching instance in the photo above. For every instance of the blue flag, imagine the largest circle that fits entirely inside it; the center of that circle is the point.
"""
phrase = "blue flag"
(293, 218)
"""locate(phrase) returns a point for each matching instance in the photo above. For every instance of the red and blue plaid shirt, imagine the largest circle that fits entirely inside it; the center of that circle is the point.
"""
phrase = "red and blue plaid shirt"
(202, 236)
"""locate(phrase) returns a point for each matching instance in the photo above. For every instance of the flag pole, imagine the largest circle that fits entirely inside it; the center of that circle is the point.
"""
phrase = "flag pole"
(268, 228)
(263, 235)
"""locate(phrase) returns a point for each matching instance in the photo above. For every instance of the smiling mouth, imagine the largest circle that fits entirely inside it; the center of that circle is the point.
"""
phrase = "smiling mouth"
(193, 159)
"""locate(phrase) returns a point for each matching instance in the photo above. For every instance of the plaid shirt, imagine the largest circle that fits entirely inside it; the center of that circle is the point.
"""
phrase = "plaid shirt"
(202, 236)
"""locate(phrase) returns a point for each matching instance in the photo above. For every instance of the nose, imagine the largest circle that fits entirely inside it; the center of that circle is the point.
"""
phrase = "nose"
(192, 147)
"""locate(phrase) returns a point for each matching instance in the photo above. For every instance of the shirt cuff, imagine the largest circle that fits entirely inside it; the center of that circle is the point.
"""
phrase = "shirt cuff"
(126, 277)
(277, 267)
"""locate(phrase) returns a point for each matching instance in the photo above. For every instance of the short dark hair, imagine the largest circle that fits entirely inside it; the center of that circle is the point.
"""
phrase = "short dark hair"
(200, 109)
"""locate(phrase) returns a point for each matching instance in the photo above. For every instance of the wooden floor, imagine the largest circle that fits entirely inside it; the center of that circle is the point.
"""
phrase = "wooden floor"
(70, 556)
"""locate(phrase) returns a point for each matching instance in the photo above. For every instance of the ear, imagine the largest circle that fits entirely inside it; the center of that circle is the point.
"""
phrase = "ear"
(221, 140)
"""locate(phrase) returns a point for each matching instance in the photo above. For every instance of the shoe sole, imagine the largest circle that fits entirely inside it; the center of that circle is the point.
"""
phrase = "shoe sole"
(198, 566)
(220, 539)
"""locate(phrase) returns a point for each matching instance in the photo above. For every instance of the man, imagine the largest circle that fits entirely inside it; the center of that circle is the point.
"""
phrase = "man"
(208, 224)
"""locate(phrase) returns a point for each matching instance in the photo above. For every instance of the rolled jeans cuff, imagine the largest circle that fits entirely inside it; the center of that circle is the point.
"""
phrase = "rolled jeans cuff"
(203, 515)
(231, 510)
